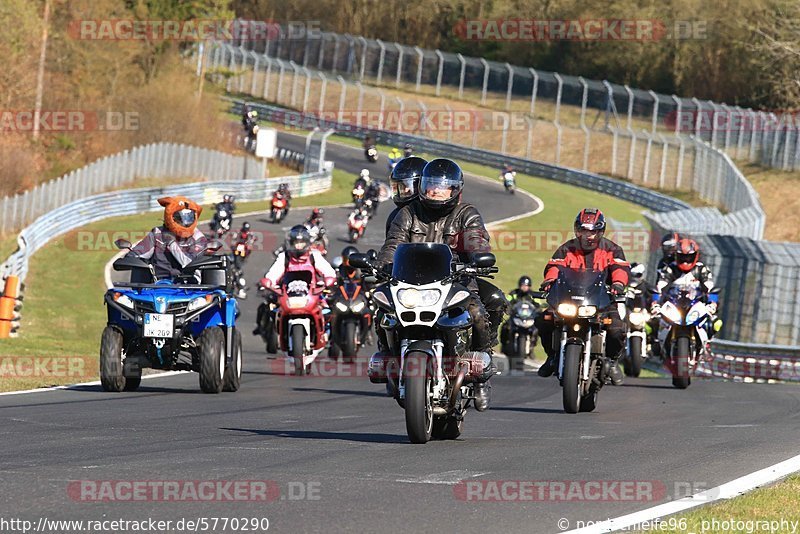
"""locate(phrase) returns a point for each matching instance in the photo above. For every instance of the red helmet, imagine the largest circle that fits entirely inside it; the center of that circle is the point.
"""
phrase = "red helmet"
(687, 254)
(589, 221)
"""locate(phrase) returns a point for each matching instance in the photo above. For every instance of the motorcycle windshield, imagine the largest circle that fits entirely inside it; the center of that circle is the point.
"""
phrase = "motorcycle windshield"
(421, 263)
(582, 288)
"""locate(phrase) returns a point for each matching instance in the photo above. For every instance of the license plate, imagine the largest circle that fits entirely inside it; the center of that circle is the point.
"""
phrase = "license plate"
(158, 325)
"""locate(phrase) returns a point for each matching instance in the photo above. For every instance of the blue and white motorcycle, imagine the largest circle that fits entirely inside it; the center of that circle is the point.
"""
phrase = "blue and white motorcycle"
(683, 331)
(171, 324)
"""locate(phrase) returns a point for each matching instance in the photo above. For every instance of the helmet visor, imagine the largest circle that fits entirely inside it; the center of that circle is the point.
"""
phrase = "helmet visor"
(404, 189)
(184, 217)
(686, 259)
(439, 188)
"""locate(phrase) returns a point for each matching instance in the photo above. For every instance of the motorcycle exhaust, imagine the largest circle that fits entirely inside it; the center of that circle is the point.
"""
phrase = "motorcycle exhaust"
(463, 368)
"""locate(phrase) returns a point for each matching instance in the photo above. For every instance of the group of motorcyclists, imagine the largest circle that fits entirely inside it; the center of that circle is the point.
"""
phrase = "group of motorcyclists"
(429, 209)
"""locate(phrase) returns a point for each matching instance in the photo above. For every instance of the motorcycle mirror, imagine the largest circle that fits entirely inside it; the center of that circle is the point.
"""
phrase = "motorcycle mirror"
(213, 247)
(359, 260)
(483, 259)
(122, 244)
(539, 294)
(715, 290)
(372, 254)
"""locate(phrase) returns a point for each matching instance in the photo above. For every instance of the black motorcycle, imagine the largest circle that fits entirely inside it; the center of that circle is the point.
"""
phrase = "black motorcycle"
(351, 318)
(371, 153)
(580, 302)
(522, 336)
(222, 221)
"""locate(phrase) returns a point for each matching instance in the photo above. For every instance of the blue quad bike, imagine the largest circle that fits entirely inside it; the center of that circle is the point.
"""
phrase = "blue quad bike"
(172, 324)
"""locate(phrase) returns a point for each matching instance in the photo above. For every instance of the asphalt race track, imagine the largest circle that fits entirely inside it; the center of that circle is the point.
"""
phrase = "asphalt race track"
(336, 446)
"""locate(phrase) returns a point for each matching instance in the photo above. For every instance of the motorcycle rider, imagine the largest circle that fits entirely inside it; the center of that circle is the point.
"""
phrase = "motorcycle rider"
(297, 251)
(394, 156)
(588, 249)
(440, 217)
(363, 180)
(687, 265)
(368, 141)
(249, 123)
(522, 292)
(404, 181)
(315, 219)
(373, 193)
(408, 150)
(173, 245)
(669, 245)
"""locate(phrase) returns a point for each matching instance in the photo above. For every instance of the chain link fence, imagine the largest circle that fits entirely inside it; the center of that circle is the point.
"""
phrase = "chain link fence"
(661, 161)
(770, 138)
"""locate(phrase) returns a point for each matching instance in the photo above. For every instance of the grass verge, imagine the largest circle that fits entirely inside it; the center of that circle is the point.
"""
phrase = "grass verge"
(771, 504)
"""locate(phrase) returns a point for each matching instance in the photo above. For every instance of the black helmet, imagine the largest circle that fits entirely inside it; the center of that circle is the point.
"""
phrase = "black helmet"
(593, 222)
(446, 177)
(404, 179)
(669, 244)
(346, 252)
(298, 241)
(524, 280)
(246, 227)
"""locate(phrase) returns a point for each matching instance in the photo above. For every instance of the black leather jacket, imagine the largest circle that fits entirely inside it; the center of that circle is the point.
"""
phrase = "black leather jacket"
(462, 229)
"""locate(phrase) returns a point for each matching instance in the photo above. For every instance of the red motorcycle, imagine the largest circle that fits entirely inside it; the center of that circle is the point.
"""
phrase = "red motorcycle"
(300, 318)
(242, 249)
(356, 225)
(279, 207)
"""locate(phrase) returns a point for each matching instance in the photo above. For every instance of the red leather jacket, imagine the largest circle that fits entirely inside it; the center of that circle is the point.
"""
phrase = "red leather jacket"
(608, 256)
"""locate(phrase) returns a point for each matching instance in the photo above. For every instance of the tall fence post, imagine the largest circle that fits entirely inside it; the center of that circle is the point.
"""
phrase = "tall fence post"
(510, 88)
(439, 72)
(399, 64)
(463, 63)
(420, 61)
(381, 59)
(485, 80)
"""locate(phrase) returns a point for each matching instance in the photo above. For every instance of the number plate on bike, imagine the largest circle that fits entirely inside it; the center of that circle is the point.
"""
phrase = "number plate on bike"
(158, 325)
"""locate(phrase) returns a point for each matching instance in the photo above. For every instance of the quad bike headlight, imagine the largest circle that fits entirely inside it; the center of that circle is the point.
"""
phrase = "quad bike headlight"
(123, 300)
(411, 298)
(199, 302)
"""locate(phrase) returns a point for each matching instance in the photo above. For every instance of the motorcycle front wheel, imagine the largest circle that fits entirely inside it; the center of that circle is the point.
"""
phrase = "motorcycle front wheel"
(419, 411)
(571, 390)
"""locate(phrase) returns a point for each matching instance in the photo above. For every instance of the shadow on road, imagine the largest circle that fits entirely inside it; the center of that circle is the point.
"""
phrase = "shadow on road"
(345, 392)
(524, 410)
(311, 434)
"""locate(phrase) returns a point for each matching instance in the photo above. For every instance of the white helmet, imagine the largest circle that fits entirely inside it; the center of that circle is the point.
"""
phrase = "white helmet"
(365, 173)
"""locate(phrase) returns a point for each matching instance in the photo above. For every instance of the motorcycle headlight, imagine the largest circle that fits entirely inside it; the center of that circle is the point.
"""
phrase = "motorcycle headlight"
(199, 302)
(341, 306)
(587, 311)
(123, 300)
(223, 214)
(242, 282)
(524, 323)
(671, 312)
(411, 298)
(567, 309)
(358, 306)
(637, 318)
(297, 302)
